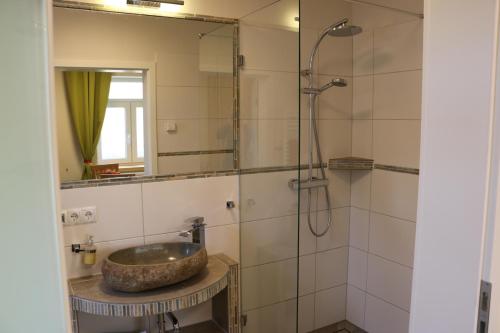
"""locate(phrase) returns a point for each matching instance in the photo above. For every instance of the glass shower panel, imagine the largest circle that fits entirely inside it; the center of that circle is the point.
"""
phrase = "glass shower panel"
(326, 53)
(269, 157)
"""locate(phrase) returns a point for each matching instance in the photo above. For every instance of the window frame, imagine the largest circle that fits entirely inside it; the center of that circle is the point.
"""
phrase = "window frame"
(130, 106)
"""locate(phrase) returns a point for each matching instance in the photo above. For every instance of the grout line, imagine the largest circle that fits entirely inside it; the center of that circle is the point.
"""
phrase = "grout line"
(384, 214)
(386, 73)
(294, 257)
(290, 299)
(385, 301)
(381, 257)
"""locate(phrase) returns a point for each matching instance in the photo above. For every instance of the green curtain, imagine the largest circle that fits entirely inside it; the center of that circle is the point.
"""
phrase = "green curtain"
(87, 94)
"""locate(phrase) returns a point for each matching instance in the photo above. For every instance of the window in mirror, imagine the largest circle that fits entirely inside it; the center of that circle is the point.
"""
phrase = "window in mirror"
(122, 134)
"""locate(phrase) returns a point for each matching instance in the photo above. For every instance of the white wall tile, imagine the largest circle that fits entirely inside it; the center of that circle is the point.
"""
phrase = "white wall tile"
(330, 306)
(389, 281)
(392, 238)
(335, 138)
(75, 267)
(220, 239)
(119, 212)
(357, 268)
(336, 102)
(268, 95)
(281, 48)
(362, 105)
(216, 134)
(362, 137)
(308, 38)
(363, 53)
(178, 102)
(359, 225)
(307, 274)
(395, 194)
(398, 95)
(340, 190)
(249, 144)
(398, 47)
(361, 182)
(268, 240)
(178, 164)
(224, 239)
(331, 268)
(307, 239)
(372, 17)
(319, 14)
(338, 234)
(306, 314)
(335, 56)
(276, 318)
(382, 317)
(397, 142)
(167, 205)
(179, 70)
(185, 138)
(355, 312)
(259, 193)
(414, 6)
(268, 284)
(278, 142)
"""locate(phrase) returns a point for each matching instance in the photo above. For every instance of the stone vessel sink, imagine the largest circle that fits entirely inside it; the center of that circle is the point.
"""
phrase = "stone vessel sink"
(153, 266)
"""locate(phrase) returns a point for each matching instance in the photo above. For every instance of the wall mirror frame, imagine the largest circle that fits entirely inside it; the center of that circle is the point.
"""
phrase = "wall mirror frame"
(148, 70)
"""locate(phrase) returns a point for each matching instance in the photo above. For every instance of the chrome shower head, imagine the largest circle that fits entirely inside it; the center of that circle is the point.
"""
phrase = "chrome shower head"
(345, 30)
(337, 82)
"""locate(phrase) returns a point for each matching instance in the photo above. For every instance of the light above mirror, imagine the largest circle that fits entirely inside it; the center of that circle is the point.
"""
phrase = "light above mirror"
(157, 3)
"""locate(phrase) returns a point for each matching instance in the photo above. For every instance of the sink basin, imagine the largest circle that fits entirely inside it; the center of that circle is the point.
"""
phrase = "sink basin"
(153, 266)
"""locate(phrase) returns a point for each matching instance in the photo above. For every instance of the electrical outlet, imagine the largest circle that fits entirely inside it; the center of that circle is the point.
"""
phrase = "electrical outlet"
(75, 216)
(87, 215)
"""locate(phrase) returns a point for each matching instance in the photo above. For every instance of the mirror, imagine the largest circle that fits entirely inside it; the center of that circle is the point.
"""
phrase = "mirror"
(170, 95)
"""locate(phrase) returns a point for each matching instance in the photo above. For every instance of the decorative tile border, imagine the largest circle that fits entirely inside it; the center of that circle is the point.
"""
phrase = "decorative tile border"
(394, 168)
(182, 176)
(147, 309)
(196, 152)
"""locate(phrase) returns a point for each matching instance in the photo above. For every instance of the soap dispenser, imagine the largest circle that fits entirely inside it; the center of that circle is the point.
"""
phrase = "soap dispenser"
(89, 252)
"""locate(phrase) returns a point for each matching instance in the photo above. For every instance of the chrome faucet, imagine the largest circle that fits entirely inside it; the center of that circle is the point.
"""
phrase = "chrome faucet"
(197, 231)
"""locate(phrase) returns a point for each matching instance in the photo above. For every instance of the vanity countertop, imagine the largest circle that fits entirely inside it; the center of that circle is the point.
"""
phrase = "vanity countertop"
(91, 294)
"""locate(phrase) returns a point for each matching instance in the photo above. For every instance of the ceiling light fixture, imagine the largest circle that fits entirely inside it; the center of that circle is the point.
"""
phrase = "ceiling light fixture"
(156, 3)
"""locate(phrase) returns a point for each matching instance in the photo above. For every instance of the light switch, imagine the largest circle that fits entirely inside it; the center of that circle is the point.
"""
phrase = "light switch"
(170, 127)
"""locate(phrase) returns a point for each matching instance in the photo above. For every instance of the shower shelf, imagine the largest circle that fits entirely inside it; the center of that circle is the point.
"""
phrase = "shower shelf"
(350, 163)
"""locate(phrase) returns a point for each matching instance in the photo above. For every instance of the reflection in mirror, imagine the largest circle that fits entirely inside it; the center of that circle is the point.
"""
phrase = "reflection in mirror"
(170, 105)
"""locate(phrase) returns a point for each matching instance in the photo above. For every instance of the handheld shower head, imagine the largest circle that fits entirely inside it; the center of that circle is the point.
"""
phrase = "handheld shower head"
(337, 82)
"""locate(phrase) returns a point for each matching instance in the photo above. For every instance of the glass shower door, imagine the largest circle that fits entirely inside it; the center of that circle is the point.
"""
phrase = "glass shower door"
(269, 159)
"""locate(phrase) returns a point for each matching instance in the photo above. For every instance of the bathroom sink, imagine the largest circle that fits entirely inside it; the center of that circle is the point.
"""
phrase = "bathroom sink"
(153, 266)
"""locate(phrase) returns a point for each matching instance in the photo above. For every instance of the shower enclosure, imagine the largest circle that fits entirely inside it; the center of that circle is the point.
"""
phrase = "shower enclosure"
(329, 147)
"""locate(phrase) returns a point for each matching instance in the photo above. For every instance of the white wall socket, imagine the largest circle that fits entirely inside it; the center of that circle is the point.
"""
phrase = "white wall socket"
(83, 215)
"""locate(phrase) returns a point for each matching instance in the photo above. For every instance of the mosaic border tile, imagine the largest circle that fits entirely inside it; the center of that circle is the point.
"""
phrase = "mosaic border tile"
(394, 168)
(197, 152)
(147, 309)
